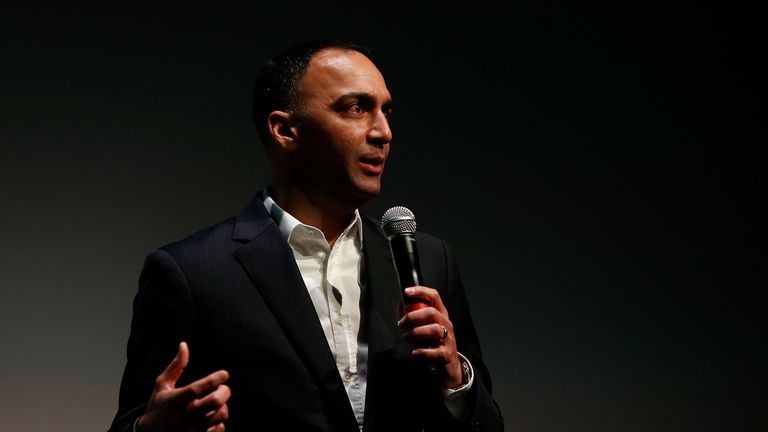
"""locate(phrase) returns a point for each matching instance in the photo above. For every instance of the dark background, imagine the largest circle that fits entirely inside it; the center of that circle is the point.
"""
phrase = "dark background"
(598, 170)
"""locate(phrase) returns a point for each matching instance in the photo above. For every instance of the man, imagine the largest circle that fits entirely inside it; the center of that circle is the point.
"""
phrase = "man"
(288, 315)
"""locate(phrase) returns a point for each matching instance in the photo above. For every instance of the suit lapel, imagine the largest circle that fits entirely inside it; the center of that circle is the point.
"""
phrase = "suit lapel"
(382, 309)
(269, 262)
(381, 293)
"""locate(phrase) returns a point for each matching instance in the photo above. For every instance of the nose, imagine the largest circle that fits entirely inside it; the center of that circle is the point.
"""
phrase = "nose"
(380, 134)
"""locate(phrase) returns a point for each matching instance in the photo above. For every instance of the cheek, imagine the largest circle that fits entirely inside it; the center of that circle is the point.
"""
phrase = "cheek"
(347, 142)
(338, 143)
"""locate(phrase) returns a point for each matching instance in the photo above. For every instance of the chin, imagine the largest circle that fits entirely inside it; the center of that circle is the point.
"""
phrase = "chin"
(368, 194)
(359, 188)
(368, 191)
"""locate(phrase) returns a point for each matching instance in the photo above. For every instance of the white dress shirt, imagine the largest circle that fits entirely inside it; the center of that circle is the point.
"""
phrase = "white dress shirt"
(332, 278)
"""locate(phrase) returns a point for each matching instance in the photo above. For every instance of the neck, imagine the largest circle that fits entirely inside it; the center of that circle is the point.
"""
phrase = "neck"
(328, 215)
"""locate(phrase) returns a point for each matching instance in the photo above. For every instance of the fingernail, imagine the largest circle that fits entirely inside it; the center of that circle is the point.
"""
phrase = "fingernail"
(410, 290)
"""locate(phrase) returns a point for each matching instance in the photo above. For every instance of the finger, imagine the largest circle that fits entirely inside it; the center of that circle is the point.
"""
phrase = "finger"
(219, 416)
(430, 294)
(424, 316)
(439, 355)
(218, 428)
(204, 385)
(213, 400)
(167, 379)
(205, 419)
(427, 332)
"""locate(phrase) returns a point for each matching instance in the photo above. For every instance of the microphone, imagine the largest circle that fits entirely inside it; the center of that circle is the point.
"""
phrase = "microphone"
(399, 226)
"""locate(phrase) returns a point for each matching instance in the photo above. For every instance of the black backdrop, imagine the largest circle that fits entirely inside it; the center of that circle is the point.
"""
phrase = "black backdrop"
(596, 168)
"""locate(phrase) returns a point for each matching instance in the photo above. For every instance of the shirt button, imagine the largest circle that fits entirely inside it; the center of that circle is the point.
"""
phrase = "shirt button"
(347, 377)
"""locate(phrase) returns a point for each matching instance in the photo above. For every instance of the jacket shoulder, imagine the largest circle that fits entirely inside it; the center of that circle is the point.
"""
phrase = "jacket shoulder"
(212, 237)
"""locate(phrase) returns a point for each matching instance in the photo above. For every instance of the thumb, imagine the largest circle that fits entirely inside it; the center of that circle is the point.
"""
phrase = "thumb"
(172, 373)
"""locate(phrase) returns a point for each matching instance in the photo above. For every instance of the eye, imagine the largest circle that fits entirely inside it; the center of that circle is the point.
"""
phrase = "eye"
(355, 108)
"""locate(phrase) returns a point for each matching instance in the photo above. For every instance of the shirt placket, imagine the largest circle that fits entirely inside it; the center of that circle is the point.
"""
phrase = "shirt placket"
(337, 317)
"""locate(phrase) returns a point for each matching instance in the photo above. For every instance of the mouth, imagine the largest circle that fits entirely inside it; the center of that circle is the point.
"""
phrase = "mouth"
(373, 165)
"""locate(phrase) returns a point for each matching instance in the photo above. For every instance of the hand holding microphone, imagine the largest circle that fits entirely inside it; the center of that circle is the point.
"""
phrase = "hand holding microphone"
(425, 321)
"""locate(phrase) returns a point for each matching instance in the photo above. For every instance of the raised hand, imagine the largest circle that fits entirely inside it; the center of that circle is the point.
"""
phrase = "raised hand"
(198, 406)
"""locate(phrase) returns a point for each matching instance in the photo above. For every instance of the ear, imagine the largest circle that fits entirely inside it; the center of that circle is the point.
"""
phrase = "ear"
(282, 127)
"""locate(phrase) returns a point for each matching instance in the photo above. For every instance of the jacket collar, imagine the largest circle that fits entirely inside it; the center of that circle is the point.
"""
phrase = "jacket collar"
(269, 262)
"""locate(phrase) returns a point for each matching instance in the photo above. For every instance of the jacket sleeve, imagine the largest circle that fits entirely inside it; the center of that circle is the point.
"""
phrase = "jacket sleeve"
(163, 313)
(481, 413)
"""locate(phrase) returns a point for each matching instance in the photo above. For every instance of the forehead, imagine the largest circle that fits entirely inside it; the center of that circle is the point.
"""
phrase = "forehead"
(334, 72)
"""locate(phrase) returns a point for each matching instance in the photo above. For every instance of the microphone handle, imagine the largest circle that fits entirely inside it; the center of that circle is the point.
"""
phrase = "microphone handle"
(406, 258)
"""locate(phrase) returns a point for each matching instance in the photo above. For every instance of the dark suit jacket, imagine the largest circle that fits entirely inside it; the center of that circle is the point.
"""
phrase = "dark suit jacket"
(234, 293)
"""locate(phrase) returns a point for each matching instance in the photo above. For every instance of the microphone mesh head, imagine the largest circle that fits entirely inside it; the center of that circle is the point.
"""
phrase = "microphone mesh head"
(398, 220)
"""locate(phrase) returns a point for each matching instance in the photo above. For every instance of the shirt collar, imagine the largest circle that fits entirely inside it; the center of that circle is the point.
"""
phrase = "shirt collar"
(288, 223)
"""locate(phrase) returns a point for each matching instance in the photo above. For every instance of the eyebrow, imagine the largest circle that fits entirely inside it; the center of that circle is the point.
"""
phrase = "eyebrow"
(363, 96)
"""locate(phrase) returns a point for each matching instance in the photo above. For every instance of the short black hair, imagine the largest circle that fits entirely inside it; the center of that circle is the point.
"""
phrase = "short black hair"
(277, 85)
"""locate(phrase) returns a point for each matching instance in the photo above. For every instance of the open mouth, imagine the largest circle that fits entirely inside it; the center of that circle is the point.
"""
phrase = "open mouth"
(373, 160)
(373, 164)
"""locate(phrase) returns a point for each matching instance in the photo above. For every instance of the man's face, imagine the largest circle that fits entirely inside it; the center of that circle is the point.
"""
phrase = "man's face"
(343, 136)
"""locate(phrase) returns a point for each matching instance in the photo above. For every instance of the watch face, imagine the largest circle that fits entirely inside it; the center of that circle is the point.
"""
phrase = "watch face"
(465, 372)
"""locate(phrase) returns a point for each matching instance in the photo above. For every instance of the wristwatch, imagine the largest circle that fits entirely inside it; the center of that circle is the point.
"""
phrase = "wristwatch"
(465, 371)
